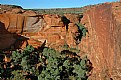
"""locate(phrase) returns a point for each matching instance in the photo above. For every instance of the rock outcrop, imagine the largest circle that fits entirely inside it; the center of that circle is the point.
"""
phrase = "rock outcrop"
(102, 43)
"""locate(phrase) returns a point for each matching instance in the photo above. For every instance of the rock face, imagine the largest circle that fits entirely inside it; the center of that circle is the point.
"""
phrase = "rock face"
(102, 43)
(36, 28)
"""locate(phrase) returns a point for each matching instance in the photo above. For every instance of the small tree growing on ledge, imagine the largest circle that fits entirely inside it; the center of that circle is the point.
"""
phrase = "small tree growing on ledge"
(80, 33)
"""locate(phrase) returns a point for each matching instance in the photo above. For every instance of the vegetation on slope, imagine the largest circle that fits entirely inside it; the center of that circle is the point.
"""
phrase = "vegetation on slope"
(61, 11)
(44, 64)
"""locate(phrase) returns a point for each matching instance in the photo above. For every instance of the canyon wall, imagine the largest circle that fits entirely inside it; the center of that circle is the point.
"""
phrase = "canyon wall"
(102, 43)
(18, 30)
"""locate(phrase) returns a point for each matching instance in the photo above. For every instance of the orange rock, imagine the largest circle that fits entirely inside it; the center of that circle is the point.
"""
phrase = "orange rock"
(7, 59)
(30, 13)
(102, 43)
(53, 20)
(5, 20)
(17, 10)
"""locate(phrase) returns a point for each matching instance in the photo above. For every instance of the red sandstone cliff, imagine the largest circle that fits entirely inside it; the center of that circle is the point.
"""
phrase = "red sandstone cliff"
(102, 43)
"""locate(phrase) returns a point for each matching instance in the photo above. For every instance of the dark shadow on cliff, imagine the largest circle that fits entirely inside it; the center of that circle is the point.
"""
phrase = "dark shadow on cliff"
(65, 21)
(10, 41)
(79, 17)
(19, 41)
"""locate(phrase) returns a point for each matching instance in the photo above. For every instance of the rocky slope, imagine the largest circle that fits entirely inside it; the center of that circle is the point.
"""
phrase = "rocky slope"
(102, 43)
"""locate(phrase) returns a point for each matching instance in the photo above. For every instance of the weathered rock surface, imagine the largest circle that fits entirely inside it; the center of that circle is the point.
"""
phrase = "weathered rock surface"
(102, 43)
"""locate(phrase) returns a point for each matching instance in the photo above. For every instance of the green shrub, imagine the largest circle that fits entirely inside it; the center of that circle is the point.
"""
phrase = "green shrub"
(81, 33)
(56, 66)
(71, 49)
(45, 64)
(17, 75)
(82, 30)
(25, 61)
